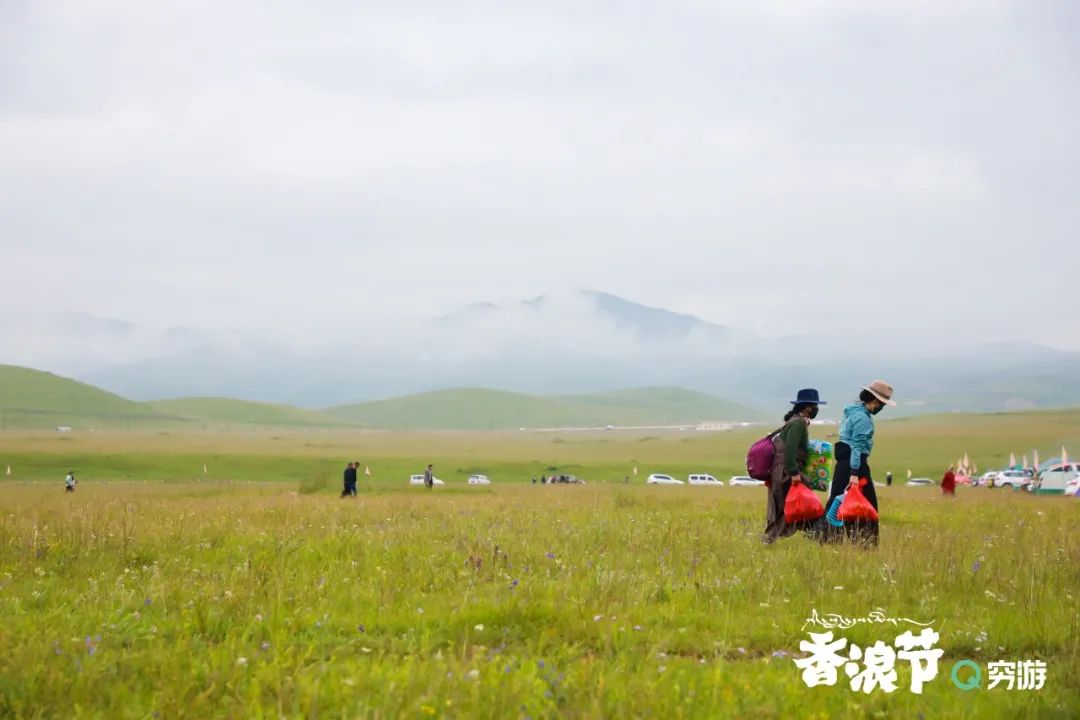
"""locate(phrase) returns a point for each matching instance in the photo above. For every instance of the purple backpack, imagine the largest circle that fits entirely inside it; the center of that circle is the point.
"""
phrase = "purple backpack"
(759, 459)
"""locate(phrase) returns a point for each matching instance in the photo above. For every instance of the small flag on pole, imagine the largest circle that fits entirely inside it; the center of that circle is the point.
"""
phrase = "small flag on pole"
(635, 471)
(1025, 461)
(908, 474)
(367, 471)
(1035, 460)
(1064, 455)
(1012, 460)
(8, 469)
(204, 468)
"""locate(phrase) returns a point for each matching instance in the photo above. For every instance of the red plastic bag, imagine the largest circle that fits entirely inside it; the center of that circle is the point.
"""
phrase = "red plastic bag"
(855, 506)
(802, 504)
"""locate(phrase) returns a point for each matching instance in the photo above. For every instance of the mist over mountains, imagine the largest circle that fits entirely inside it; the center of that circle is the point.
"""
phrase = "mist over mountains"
(576, 342)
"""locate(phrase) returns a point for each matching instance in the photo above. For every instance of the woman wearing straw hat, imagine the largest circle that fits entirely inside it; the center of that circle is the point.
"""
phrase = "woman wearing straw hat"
(792, 449)
(852, 458)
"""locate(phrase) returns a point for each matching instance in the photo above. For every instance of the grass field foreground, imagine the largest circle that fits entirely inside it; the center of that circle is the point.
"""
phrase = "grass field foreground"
(225, 600)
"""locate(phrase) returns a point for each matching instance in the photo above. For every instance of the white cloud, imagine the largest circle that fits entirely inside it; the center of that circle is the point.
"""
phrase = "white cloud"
(273, 167)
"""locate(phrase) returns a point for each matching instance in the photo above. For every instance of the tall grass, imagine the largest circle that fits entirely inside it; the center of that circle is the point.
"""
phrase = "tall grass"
(251, 600)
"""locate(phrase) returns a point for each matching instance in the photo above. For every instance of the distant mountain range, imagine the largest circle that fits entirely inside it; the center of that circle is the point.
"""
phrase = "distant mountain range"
(569, 343)
(35, 399)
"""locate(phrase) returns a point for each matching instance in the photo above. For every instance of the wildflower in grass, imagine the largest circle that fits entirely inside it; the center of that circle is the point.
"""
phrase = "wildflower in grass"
(146, 601)
(473, 674)
(514, 584)
(478, 628)
(265, 646)
(258, 617)
(241, 661)
(361, 628)
(976, 566)
(550, 556)
(780, 654)
(637, 627)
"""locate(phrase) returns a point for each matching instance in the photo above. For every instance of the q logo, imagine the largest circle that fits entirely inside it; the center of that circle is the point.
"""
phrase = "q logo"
(974, 680)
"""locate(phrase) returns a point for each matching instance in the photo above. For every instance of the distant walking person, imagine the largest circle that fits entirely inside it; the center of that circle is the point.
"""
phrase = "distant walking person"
(792, 444)
(888, 479)
(429, 478)
(70, 481)
(948, 483)
(350, 480)
(852, 459)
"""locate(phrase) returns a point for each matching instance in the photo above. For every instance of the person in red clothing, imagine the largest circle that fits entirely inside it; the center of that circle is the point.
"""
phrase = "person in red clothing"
(948, 483)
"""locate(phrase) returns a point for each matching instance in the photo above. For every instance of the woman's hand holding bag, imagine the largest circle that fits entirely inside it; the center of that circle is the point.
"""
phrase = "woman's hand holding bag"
(802, 504)
(856, 507)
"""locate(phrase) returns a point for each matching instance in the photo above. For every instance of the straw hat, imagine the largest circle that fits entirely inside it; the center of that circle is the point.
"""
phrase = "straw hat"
(882, 390)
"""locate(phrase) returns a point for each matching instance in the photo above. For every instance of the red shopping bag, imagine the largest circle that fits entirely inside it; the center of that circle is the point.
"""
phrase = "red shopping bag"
(855, 506)
(802, 504)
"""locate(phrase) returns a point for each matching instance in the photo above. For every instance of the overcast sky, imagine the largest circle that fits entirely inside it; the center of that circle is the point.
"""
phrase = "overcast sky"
(781, 166)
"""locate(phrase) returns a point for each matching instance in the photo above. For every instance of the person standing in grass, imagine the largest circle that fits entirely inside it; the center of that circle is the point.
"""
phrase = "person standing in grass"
(852, 459)
(350, 480)
(69, 482)
(948, 483)
(429, 477)
(792, 443)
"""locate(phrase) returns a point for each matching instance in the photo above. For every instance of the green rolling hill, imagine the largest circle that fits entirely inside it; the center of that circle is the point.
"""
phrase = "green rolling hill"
(243, 412)
(35, 399)
(481, 409)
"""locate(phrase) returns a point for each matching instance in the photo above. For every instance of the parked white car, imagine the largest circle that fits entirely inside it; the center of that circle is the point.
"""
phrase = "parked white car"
(744, 480)
(419, 480)
(657, 479)
(1058, 479)
(478, 480)
(1015, 479)
(920, 482)
(987, 478)
(704, 479)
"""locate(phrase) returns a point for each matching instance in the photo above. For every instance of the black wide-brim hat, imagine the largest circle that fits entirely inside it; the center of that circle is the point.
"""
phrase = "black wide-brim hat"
(809, 395)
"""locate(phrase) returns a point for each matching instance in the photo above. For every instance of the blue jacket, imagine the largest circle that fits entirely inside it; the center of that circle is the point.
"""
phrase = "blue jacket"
(857, 430)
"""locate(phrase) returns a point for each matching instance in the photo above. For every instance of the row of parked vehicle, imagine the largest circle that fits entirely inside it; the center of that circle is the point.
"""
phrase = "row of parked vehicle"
(473, 480)
(1061, 479)
(701, 479)
(1055, 480)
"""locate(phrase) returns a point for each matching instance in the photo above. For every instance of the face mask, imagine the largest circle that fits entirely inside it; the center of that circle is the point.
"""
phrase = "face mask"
(878, 407)
(813, 413)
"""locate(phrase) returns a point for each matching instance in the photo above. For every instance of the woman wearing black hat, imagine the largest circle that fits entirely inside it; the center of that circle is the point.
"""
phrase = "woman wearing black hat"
(792, 443)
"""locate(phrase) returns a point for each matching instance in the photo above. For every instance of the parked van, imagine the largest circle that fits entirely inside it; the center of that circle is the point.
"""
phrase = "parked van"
(1053, 480)
(704, 480)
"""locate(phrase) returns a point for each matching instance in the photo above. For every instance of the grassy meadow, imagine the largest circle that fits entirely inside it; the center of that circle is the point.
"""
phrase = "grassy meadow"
(254, 591)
